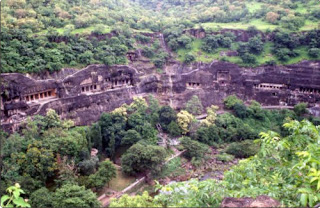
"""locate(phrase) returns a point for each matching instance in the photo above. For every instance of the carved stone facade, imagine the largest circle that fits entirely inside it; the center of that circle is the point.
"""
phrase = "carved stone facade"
(82, 95)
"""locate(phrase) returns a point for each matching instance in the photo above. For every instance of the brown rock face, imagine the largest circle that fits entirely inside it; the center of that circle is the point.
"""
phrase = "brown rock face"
(82, 95)
(236, 202)
(260, 201)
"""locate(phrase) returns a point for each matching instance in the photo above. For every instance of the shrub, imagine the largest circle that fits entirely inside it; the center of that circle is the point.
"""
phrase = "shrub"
(240, 110)
(142, 38)
(174, 129)
(194, 148)
(147, 52)
(314, 52)
(243, 149)
(159, 63)
(87, 167)
(189, 58)
(208, 135)
(194, 106)
(224, 157)
(41, 198)
(248, 58)
(105, 173)
(300, 109)
(231, 100)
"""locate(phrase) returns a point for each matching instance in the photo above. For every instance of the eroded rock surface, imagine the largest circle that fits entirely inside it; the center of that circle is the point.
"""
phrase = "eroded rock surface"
(82, 95)
(260, 201)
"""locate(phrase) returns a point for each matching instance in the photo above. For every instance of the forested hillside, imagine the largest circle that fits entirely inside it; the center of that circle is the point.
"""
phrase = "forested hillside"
(49, 35)
(87, 15)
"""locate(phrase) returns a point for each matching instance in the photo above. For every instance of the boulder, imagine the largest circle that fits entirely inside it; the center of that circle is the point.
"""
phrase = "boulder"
(260, 201)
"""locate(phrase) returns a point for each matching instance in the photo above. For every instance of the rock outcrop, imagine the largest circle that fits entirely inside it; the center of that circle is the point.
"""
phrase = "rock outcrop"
(260, 201)
(82, 95)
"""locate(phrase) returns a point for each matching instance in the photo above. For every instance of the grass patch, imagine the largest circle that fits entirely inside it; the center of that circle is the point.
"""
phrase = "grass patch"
(303, 55)
(309, 25)
(172, 168)
(197, 52)
(121, 181)
(254, 6)
(258, 23)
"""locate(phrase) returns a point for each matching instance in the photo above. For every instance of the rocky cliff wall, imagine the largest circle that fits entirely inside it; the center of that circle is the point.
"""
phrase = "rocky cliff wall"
(82, 95)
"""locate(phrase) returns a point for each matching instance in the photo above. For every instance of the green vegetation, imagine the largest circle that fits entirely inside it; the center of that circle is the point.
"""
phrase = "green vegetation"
(141, 157)
(104, 174)
(243, 149)
(51, 159)
(171, 169)
(265, 173)
(50, 35)
(121, 181)
(194, 105)
(46, 152)
(13, 198)
(195, 150)
(224, 157)
(73, 195)
(255, 52)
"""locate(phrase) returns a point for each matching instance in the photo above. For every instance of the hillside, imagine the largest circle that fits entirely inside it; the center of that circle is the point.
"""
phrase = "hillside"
(160, 103)
(59, 34)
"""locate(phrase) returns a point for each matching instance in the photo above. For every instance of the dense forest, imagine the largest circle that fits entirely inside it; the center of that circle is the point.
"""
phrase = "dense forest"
(50, 35)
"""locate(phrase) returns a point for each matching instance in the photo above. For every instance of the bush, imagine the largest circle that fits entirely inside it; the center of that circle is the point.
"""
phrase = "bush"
(147, 52)
(41, 198)
(105, 173)
(173, 129)
(300, 109)
(248, 58)
(194, 106)
(88, 167)
(208, 135)
(194, 148)
(240, 110)
(243, 149)
(166, 115)
(189, 58)
(159, 62)
(231, 100)
(142, 38)
(224, 157)
(314, 52)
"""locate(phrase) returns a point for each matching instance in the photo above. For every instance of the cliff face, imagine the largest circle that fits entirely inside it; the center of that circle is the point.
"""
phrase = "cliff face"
(82, 95)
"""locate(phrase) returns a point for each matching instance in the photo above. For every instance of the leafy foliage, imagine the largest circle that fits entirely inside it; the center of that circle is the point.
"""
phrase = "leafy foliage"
(71, 195)
(41, 198)
(194, 105)
(285, 168)
(142, 157)
(134, 201)
(194, 149)
(104, 175)
(13, 198)
(184, 119)
(243, 149)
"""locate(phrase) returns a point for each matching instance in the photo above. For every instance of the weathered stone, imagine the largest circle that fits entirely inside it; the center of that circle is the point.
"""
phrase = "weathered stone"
(265, 201)
(236, 202)
(260, 201)
(82, 95)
